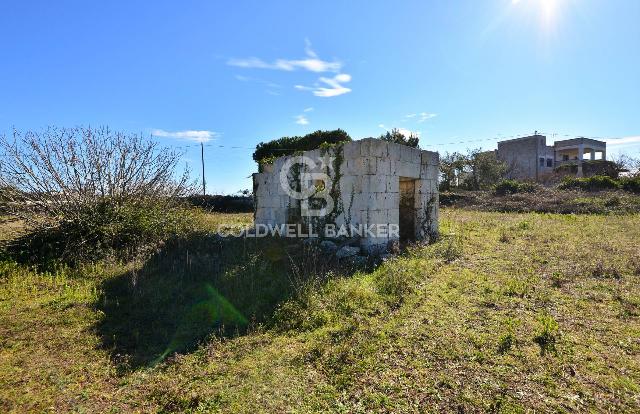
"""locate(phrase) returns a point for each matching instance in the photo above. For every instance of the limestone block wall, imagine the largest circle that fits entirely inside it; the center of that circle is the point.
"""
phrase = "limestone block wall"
(364, 184)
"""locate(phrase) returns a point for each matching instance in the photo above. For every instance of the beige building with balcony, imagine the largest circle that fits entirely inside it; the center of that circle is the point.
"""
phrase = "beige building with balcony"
(530, 158)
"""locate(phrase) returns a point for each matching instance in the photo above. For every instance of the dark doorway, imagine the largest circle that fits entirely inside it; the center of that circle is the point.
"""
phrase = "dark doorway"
(407, 210)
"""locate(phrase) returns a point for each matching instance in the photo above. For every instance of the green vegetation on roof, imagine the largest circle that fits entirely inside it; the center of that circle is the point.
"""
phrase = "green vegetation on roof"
(266, 152)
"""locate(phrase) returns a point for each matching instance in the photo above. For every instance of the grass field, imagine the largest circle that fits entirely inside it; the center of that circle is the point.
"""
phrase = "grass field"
(509, 312)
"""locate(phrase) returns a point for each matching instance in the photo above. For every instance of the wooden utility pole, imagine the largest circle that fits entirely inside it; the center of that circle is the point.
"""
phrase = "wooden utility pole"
(204, 183)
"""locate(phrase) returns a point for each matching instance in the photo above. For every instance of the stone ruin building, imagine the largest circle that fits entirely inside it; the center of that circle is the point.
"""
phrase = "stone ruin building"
(369, 183)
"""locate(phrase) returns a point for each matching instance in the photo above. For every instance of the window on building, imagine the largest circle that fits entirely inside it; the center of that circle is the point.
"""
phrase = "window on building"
(549, 162)
(542, 162)
(565, 157)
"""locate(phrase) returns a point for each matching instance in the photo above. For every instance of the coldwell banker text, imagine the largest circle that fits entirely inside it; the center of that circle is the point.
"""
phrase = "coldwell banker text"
(306, 231)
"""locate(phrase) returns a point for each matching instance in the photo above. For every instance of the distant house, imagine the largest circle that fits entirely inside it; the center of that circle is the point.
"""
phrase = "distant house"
(530, 158)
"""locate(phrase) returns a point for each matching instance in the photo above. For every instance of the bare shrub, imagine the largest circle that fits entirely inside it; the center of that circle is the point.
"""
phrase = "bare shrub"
(82, 189)
(61, 171)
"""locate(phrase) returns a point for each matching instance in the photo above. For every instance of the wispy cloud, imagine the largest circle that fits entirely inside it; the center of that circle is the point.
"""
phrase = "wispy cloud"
(623, 141)
(308, 109)
(311, 62)
(188, 135)
(423, 116)
(302, 120)
(329, 87)
(325, 87)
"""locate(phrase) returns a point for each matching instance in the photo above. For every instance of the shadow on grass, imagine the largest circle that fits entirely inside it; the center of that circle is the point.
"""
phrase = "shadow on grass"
(193, 287)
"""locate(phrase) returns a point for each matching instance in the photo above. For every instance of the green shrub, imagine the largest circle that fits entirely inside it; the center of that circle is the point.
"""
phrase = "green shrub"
(267, 151)
(547, 333)
(631, 184)
(506, 187)
(449, 248)
(508, 338)
(106, 229)
(222, 203)
(595, 183)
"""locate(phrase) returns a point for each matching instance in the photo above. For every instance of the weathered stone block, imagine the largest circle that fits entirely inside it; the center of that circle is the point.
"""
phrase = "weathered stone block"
(374, 184)
(393, 151)
(361, 166)
(430, 158)
(285, 201)
(377, 217)
(351, 150)
(394, 215)
(365, 147)
(429, 172)
(410, 155)
(393, 184)
(350, 184)
(378, 148)
(384, 166)
(407, 169)
(391, 200)
(375, 201)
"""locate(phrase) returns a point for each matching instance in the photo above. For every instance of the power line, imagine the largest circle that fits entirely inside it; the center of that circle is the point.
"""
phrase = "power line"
(498, 138)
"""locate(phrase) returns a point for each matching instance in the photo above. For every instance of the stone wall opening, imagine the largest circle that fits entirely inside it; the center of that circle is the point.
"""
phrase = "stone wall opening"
(407, 209)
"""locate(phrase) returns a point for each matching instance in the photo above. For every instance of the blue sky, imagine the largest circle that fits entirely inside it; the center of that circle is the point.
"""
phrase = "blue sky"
(237, 73)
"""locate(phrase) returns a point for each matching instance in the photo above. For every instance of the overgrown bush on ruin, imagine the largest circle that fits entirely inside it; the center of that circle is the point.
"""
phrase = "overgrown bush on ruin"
(398, 137)
(87, 192)
(266, 152)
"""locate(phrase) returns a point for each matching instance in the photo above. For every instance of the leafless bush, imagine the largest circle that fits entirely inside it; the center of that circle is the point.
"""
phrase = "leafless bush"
(61, 172)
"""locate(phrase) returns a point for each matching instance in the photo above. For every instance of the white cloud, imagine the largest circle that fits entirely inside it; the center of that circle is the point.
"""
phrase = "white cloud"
(419, 117)
(335, 86)
(311, 63)
(302, 120)
(623, 141)
(308, 109)
(425, 116)
(325, 86)
(188, 135)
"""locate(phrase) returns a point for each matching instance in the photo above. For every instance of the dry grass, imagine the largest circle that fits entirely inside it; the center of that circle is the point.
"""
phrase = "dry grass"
(546, 200)
(509, 313)
(9, 228)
